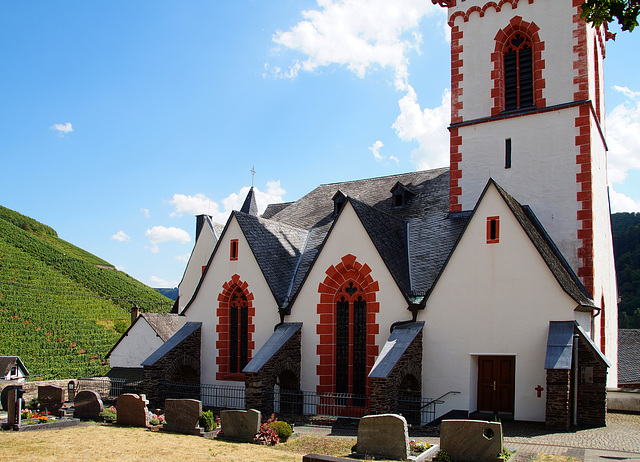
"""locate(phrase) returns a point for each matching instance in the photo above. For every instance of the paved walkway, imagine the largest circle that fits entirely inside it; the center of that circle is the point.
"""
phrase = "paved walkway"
(618, 441)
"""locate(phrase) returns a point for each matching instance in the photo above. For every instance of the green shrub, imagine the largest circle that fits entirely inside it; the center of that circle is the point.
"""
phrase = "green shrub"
(120, 326)
(442, 455)
(283, 429)
(207, 421)
(109, 415)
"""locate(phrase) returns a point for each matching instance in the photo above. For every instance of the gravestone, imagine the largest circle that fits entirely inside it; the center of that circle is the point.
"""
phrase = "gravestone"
(71, 391)
(240, 425)
(14, 408)
(5, 395)
(182, 415)
(384, 435)
(132, 410)
(87, 405)
(51, 398)
(471, 440)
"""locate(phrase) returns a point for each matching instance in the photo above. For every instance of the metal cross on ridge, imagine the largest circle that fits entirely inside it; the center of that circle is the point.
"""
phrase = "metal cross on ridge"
(253, 173)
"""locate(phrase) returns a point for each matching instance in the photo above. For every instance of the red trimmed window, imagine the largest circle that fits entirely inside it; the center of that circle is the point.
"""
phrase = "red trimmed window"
(493, 230)
(518, 72)
(233, 251)
(238, 331)
(351, 340)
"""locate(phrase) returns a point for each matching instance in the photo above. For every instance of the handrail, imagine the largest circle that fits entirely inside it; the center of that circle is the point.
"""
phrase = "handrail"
(438, 400)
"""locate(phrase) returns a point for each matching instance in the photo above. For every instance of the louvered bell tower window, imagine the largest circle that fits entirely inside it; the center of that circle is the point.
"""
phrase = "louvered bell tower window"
(518, 72)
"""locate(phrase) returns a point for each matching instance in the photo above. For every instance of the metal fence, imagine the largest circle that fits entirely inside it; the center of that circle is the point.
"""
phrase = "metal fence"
(294, 402)
(109, 388)
(218, 396)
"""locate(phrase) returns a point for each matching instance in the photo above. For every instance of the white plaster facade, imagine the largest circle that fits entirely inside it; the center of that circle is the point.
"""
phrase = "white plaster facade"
(136, 345)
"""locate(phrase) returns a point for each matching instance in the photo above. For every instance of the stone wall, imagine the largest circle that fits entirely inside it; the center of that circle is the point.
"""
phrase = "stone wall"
(592, 387)
(259, 385)
(31, 388)
(186, 353)
(558, 409)
(385, 391)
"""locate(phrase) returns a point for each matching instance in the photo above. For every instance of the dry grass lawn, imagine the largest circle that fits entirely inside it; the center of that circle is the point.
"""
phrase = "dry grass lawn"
(104, 442)
(101, 442)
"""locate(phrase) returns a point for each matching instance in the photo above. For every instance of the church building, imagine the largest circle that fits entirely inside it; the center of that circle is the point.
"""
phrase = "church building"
(484, 287)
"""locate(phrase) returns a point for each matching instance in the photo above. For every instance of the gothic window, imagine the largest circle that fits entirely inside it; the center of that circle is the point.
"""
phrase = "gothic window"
(518, 72)
(238, 331)
(351, 340)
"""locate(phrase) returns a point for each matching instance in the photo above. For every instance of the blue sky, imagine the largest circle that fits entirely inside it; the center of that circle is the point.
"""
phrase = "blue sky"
(123, 120)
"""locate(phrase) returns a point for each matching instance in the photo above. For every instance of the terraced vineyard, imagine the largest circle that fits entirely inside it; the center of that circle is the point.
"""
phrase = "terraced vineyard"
(61, 307)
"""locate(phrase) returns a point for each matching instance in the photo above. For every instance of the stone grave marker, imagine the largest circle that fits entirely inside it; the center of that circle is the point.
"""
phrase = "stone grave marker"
(182, 415)
(87, 405)
(14, 408)
(240, 425)
(384, 435)
(132, 410)
(51, 398)
(471, 440)
(4, 396)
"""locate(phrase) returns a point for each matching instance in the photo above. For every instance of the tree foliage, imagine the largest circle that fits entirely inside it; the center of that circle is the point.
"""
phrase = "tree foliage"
(599, 12)
(626, 244)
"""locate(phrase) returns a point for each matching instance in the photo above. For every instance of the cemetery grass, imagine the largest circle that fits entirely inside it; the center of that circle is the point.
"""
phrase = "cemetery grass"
(105, 442)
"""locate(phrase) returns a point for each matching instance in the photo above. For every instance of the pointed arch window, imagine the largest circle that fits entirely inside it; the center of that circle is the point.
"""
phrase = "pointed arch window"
(238, 331)
(351, 340)
(518, 72)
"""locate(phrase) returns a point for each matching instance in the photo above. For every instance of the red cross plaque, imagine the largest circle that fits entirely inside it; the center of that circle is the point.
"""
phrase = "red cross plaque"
(539, 390)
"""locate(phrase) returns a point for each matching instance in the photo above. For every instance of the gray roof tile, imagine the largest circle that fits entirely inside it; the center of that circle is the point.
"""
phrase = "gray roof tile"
(628, 356)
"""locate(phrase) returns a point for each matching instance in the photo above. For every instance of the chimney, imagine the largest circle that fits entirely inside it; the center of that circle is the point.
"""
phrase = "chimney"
(135, 312)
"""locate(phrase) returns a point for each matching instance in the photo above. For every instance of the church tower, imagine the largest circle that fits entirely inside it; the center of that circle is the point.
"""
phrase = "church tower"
(527, 109)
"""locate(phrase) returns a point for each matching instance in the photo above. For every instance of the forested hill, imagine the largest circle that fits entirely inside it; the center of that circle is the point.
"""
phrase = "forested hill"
(61, 307)
(626, 244)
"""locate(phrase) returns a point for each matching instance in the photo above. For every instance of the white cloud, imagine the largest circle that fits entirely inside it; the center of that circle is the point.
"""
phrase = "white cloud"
(201, 204)
(62, 129)
(162, 283)
(622, 203)
(358, 34)
(145, 212)
(623, 136)
(183, 258)
(160, 234)
(428, 127)
(121, 236)
(375, 149)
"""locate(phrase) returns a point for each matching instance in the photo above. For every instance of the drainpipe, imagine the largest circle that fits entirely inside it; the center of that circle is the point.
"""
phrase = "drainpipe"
(574, 379)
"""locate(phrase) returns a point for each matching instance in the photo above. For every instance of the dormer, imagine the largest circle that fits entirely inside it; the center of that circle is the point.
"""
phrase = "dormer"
(338, 202)
(400, 195)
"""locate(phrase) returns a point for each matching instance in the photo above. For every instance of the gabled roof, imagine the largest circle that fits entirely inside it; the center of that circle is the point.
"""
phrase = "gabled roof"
(547, 249)
(413, 241)
(186, 330)
(7, 362)
(628, 356)
(250, 205)
(163, 324)
(560, 343)
(393, 350)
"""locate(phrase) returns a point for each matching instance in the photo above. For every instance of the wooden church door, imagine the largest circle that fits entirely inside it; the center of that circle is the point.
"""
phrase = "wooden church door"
(496, 384)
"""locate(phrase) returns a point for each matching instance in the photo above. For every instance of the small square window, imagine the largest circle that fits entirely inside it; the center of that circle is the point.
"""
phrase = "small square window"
(493, 230)
(234, 249)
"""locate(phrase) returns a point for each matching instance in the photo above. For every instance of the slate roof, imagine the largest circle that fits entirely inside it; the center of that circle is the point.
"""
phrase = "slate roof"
(7, 362)
(273, 344)
(164, 324)
(394, 348)
(628, 356)
(560, 343)
(250, 205)
(563, 273)
(184, 332)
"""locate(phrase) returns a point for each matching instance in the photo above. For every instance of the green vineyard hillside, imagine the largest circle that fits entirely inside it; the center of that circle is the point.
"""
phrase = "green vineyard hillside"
(62, 308)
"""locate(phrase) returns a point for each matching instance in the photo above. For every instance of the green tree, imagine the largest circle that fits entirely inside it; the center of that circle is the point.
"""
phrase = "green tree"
(625, 12)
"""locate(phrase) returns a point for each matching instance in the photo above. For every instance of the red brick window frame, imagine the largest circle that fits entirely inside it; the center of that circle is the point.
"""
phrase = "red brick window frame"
(233, 250)
(504, 41)
(235, 313)
(342, 279)
(493, 230)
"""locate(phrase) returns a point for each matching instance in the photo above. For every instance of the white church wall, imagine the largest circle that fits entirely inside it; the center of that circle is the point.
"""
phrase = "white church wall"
(139, 343)
(538, 163)
(492, 299)
(348, 237)
(205, 306)
(198, 259)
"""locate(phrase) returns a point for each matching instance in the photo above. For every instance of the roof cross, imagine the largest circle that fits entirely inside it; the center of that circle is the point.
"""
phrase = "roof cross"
(253, 173)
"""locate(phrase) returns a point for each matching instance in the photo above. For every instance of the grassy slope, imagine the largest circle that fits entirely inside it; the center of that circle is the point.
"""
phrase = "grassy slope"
(59, 305)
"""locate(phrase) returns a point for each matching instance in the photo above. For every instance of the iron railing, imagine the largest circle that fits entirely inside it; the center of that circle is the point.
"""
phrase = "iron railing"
(109, 388)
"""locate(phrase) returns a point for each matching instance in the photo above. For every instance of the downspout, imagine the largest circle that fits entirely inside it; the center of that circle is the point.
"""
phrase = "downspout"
(574, 380)
(414, 308)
